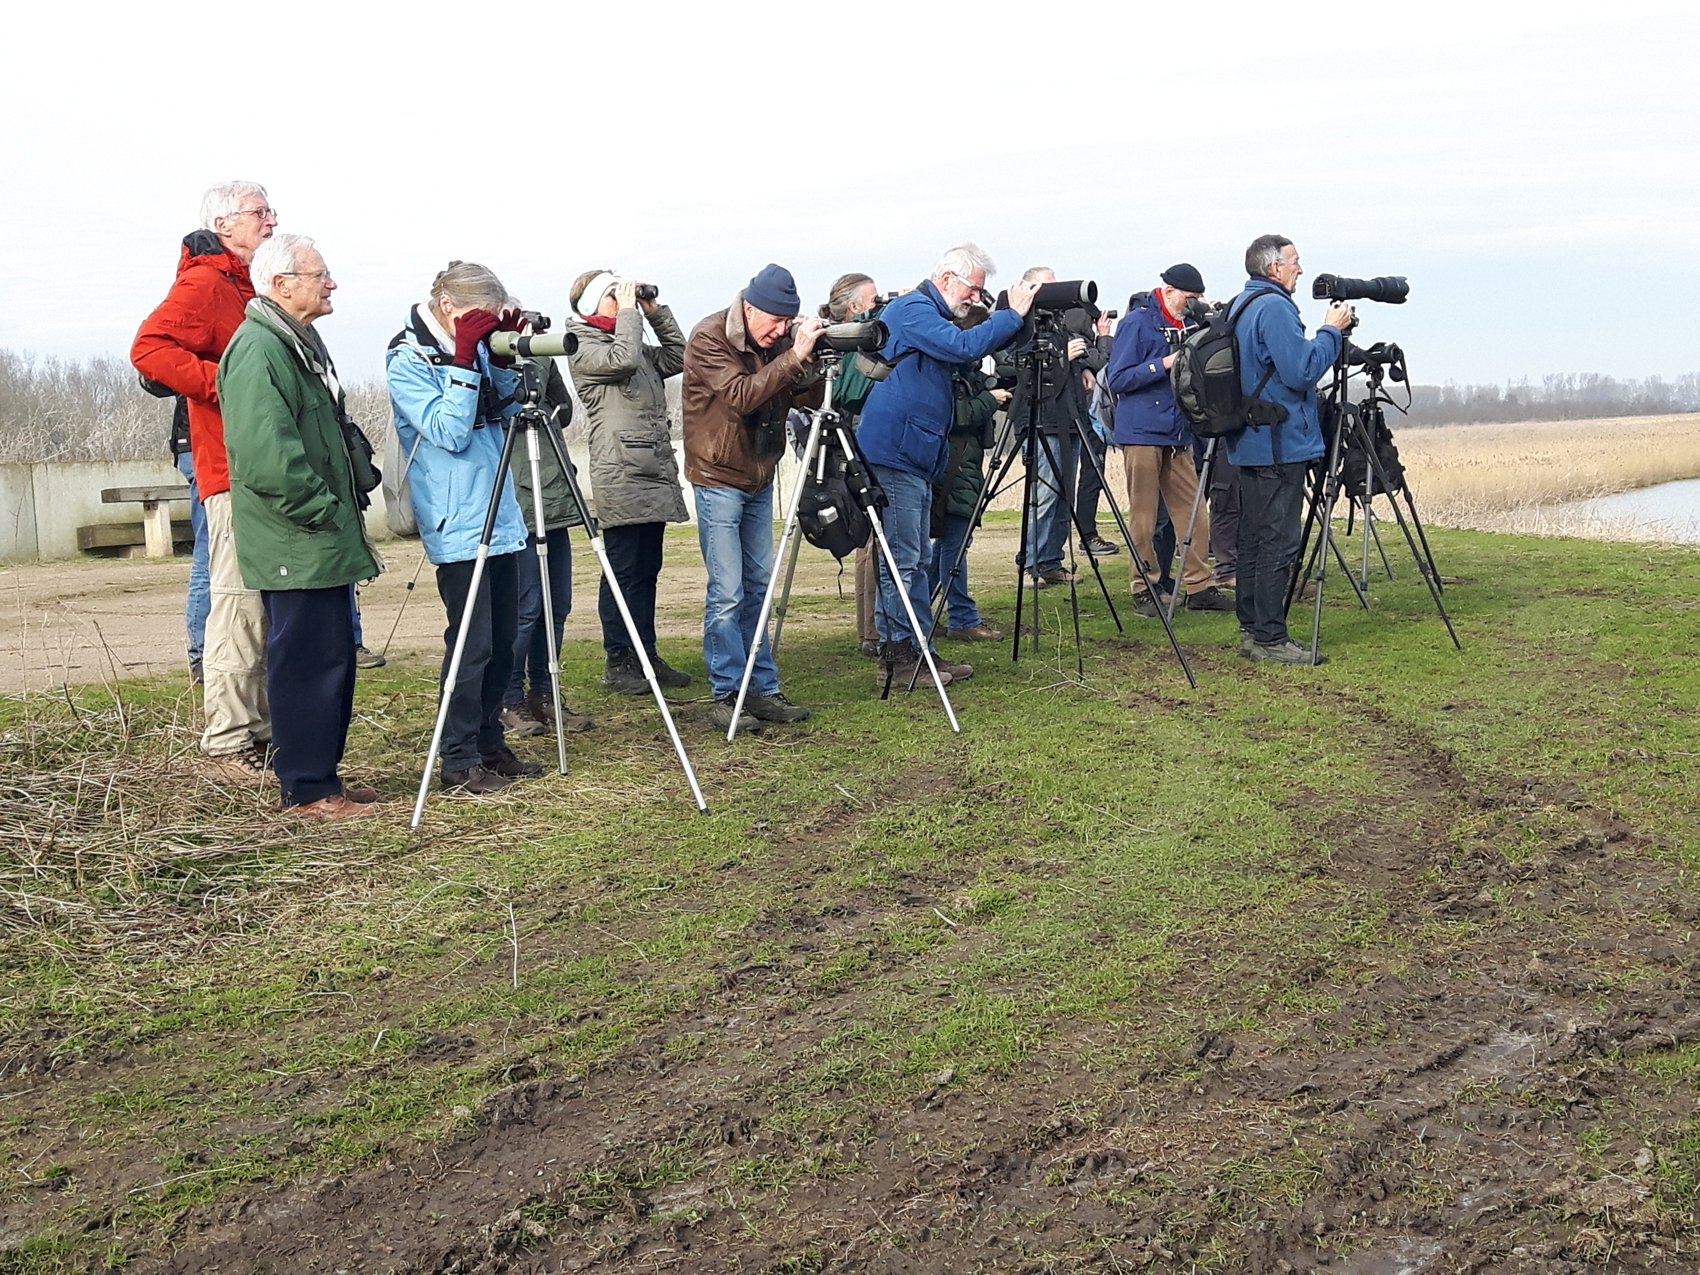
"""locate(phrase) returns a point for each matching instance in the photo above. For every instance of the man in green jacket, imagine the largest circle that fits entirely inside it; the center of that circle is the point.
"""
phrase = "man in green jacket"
(299, 474)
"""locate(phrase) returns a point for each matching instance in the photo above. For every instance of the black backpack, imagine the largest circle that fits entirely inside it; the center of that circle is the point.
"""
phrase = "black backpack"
(827, 512)
(1206, 378)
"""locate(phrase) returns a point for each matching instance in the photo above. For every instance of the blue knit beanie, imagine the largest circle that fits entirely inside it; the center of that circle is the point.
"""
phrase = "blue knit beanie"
(773, 291)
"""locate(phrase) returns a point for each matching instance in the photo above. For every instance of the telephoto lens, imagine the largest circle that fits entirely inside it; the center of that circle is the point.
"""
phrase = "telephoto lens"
(1390, 289)
(647, 292)
(867, 337)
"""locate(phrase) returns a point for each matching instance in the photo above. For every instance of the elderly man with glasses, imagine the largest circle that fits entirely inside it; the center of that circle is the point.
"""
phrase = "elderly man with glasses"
(179, 346)
(904, 435)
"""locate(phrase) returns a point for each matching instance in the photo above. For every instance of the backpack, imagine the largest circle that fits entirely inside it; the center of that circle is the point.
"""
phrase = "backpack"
(398, 492)
(827, 511)
(1206, 378)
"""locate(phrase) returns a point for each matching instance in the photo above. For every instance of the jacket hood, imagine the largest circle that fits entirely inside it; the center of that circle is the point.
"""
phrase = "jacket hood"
(202, 248)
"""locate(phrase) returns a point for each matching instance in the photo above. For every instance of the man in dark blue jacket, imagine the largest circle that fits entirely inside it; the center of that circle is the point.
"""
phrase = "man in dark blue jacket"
(1155, 441)
(904, 428)
(1279, 365)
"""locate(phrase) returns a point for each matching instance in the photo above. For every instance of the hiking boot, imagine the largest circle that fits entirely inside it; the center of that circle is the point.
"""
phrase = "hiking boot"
(516, 719)
(196, 677)
(1288, 652)
(1062, 575)
(474, 781)
(1099, 547)
(981, 632)
(774, 708)
(897, 665)
(1246, 643)
(503, 762)
(1033, 580)
(247, 767)
(670, 678)
(720, 716)
(624, 675)
(368, 659)
(1144, 604)
(952, 670)
(869, 647)
(329, 809)
(541, 706)
(1209, 598)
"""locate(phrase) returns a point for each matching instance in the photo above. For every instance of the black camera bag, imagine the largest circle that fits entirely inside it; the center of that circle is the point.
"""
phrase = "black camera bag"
(827, 511)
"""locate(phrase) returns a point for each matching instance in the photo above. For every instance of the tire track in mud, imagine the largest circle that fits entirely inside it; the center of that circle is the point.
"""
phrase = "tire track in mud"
(1435, 1120)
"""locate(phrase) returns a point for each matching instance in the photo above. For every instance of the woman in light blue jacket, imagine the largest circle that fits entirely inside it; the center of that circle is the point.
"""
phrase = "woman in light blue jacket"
(450, 398)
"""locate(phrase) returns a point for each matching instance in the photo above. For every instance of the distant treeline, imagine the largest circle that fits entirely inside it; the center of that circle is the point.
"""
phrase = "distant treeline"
(62, 409)
(1566, 397)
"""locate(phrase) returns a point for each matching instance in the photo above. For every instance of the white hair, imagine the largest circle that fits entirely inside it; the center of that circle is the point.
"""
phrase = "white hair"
(225, 200)
(1033, 272)
(278, 255)
(963, 260)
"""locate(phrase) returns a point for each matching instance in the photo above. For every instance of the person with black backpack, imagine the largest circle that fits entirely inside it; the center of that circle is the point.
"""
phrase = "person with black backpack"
(1280, 367)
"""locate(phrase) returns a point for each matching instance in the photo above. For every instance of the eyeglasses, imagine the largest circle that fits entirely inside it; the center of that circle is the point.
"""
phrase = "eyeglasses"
(975, 293)
(307, 274)
(261, 213)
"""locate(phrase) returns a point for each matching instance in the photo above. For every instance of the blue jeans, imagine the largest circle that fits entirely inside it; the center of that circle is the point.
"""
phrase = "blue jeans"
(199, 601)
(1271, 505)
(735, 531)
(1048, 531)
(960, 611)
(531, 642)
(906, 519)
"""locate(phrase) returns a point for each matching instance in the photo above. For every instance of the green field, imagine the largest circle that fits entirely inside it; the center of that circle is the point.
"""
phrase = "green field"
(1390, 958)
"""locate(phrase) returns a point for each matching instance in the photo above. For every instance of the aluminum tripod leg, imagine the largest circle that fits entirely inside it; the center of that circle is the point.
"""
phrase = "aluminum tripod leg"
(1192, 518)
(773, 577)
(547, 616)
(784, 595)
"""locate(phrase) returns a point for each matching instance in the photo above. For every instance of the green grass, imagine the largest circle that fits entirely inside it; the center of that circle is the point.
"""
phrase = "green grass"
(1126, 861)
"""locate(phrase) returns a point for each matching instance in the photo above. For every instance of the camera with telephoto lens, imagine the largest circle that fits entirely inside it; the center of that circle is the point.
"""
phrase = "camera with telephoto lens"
(1391, 289)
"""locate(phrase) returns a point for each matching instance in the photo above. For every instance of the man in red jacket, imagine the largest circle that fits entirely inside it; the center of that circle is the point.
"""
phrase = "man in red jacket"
(179, 345)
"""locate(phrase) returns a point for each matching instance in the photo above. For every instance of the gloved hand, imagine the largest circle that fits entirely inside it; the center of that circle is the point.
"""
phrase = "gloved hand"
(471, 328)
(512, 321)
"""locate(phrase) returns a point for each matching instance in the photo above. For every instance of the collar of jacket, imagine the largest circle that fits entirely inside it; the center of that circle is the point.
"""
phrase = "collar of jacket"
(203, 248)
(735, 331)
(430, 331)
(931, 289)
(1263, 283)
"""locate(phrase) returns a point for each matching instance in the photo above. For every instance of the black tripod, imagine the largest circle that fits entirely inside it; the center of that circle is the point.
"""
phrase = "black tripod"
(531, 420)
(1363, 424)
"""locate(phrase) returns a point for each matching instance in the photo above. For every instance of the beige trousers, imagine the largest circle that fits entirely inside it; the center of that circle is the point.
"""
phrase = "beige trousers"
(233, 663)
(1168, 470)
(867, 590)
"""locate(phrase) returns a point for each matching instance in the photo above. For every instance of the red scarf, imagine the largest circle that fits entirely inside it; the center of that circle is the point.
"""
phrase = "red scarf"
(601, 322)
(1172, 321)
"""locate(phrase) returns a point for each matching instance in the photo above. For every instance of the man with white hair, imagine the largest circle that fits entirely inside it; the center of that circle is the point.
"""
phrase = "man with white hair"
(179, 345)
(904, 435)
(299, 473)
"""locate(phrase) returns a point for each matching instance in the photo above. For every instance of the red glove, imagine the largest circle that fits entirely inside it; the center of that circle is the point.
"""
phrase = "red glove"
(470, 329)
(512, 321)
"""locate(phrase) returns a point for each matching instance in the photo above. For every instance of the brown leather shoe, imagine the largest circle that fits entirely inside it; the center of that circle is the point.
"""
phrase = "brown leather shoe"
(360, 793)
(956, 672)
(330, 809)
(541, 706)
(975, 633)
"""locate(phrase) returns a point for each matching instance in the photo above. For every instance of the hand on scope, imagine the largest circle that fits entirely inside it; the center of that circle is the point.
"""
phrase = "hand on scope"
(803, 337)
(472, 328)
(1021, 294)
(1001, 396)
(1339, 316)
(625, 294)
(1103, 325)
(1076, 348)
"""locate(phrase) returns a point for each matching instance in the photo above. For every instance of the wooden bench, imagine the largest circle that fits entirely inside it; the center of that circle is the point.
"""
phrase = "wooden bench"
(157, 532)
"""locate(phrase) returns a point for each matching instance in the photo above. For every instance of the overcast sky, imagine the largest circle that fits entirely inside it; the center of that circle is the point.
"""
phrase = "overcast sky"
(1532, 168)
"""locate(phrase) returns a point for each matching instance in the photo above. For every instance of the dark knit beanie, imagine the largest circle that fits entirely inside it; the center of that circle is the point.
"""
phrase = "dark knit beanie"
(1184, 277)
(774, 291)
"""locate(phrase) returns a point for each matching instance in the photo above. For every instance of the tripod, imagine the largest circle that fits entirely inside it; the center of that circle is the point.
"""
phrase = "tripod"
(532, 420)
(1363, 422)
(871, 499)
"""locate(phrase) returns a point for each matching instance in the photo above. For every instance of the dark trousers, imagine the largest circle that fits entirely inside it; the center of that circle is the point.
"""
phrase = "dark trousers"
(1225, 515)
(1090, 487)
(634, 553)
(473, 726)
(310, 685)
(1271, 507)
(531, 640)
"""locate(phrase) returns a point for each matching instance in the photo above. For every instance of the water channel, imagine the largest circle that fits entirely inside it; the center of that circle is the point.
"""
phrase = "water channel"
(1674, 508)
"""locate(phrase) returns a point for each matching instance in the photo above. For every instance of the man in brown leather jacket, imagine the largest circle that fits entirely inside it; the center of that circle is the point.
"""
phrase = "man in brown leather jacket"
(743, 373)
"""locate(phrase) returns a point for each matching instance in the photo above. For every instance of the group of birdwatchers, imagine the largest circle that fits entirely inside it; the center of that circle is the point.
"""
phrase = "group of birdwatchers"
(280, 474)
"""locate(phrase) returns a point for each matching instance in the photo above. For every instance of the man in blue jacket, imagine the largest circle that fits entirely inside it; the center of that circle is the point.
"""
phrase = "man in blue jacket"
(1278, 365)
(1155, 441)
(904, 433)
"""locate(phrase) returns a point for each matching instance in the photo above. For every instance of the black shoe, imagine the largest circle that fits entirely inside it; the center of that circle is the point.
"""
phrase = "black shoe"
(671, 679)
(774, 708)
(1144, 604)
(1099, 547)
(720, 716)
(475, 781)
(1208, 599)
(503, 762)
(624, 676)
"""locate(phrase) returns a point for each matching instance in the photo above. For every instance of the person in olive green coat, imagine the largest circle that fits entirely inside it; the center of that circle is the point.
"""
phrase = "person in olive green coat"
(299, 474)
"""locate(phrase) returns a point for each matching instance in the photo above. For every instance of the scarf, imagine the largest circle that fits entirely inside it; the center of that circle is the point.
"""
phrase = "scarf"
(1157, 295)
(300, 338)
(601, 322)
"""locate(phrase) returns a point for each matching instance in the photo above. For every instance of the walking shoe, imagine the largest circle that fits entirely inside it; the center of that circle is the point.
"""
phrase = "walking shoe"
(1062, 575)
(368, 659)
(624, 676)
(1288, 652)
(1246, 643)
(1099, 547)
(1145, 605)
(869, 647)
(1033, 580)
(516, 720)
(195, 674)
(774, 708)
(247, 766)
(1228, 581)
(897, 665)
(541, 706)
(474, 781)
(503, 762)
(329, 809)
(1209, 598)
(720, 716)
(981, 632)
(360, 793)
(954, 671)
(671, 679)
